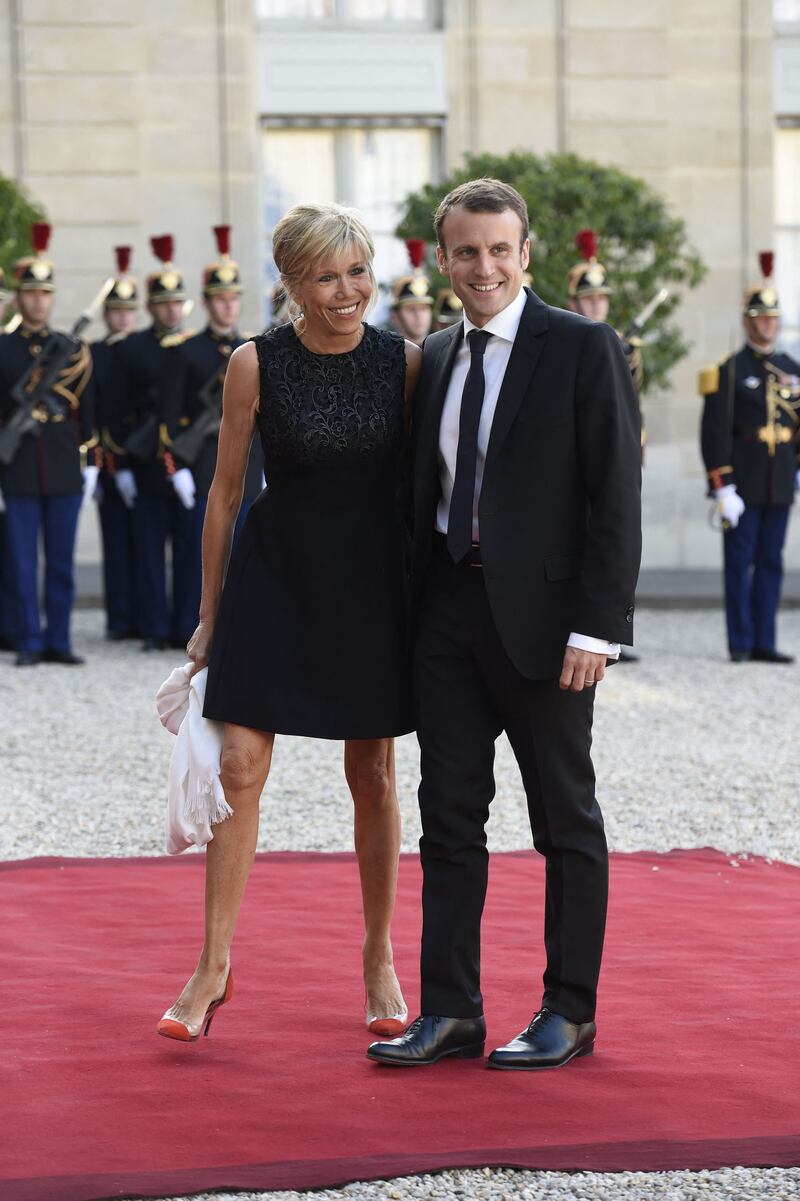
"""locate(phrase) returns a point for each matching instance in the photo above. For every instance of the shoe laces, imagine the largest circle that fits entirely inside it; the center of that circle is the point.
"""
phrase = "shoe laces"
(415, 1026)
(539, 1020)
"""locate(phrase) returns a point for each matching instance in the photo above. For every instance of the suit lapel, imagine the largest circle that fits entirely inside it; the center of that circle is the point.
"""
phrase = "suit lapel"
(428, 442)
(527, 348)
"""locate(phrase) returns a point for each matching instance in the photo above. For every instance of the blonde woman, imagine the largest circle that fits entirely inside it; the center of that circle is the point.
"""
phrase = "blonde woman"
(307, 636)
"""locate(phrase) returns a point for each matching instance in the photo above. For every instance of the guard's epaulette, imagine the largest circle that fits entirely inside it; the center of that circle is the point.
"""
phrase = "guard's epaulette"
(708, 379)
(172, 340)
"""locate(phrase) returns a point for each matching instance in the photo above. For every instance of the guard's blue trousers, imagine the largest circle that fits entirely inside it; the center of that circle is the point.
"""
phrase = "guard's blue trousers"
(754, 575)
(157, 519)
(119, 561)
(57, 518)
(6, 624)
(195, 582)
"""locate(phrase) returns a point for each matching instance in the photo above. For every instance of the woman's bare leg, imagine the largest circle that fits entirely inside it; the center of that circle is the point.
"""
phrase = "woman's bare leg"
(246, 758)
(370, 772)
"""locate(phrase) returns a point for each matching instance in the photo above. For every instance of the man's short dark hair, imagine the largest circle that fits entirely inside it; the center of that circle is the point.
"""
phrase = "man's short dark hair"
(482, 196)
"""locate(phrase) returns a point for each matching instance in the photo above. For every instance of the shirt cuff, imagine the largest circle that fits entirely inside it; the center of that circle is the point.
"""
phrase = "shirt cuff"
(598, 646)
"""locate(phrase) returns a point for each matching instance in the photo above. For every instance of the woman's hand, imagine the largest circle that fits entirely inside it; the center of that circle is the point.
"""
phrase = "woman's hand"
(199, 646)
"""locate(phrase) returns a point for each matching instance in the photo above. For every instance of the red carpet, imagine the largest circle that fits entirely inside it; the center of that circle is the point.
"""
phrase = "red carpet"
(696, 1063)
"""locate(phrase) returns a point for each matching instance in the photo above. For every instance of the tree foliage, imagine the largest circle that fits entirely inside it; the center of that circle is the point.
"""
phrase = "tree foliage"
(641, 244)
(17, 213)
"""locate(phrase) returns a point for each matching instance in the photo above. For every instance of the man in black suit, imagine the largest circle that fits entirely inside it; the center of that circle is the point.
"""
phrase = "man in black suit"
(526, 555)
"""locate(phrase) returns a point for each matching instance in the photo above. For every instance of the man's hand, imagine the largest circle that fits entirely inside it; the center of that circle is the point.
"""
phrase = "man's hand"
(125, 482)
(731, 505)
(581, 670)
(90, 478)
(183, 483)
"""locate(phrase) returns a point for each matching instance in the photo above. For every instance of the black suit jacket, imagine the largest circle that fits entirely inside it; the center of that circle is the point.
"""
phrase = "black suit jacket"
(560, 504)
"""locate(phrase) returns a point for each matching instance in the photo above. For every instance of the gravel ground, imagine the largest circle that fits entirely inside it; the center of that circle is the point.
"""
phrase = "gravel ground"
(690, 750)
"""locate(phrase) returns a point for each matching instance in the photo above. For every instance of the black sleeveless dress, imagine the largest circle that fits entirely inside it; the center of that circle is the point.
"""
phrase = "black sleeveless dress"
(310, 637)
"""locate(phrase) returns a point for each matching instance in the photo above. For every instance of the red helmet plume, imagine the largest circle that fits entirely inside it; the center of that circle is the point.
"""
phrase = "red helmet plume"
(40, 236)
(163, 247)
(416, 251)
(586, 241)
(766, 260)
(123, 254)
(223, 235)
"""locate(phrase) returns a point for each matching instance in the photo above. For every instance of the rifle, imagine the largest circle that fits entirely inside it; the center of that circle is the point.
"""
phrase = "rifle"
(34, 390)
(188, 444)
(635, 327)
(143, 443)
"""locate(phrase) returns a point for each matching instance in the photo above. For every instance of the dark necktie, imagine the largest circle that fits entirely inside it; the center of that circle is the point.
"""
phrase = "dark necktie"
(459, 523)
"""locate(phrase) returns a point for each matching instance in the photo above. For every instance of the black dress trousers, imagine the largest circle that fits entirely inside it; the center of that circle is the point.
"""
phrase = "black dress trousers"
(468, 692)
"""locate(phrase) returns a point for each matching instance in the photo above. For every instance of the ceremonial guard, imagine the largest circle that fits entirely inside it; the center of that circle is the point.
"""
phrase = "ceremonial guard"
(6, 639)
(279, 302)
(191, 408)
(47, 441)
(412, 302)
(749, 437)
(589, 293)
(447, 310)
(114, 506)
(162, 498)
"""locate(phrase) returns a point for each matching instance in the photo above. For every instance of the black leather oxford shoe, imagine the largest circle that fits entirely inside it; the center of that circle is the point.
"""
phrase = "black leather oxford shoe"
(549, 1042)
(430, 1039)
(759, 656)
(65, 657)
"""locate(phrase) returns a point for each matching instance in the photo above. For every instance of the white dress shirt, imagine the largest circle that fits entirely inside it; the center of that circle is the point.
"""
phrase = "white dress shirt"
(503, 328)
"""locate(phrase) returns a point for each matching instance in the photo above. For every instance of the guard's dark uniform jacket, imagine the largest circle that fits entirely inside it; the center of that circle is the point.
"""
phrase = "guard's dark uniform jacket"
(139, 363)
(49, 459)
(195, 366)
(108, 414)
(749, 432)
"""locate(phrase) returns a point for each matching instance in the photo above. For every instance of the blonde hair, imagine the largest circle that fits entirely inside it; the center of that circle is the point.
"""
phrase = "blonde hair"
(309, 233)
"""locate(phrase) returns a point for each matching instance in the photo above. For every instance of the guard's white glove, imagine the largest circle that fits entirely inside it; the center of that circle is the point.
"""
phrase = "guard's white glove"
(731, 505)
(126, 486)
(183, 483)
(2, 503)
(90, 478)
(797, 482)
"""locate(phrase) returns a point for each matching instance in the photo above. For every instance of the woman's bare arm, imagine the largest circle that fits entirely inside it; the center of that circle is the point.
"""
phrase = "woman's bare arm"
(413, 368)
(239, 403)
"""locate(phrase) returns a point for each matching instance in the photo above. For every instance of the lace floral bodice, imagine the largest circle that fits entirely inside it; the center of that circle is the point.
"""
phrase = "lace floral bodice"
(331, 411)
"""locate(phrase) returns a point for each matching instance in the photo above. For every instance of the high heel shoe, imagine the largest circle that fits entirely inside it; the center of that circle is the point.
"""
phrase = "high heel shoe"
(390, 1026)
(172, 1028)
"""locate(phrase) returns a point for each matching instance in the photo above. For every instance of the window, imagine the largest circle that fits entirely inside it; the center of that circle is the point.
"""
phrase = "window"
(371, 168)
(786, 12)
(375, 11)
(787, 233)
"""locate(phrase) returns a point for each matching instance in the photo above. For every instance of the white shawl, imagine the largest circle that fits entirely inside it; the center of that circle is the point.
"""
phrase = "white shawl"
(195, 798)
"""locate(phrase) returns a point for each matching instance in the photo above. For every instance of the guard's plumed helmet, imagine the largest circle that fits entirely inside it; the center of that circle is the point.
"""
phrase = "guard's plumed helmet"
(588, 277)
(166, 284)
(761, 300)
(34, 272)
(415, 288)
(223, 274)
(125, 293)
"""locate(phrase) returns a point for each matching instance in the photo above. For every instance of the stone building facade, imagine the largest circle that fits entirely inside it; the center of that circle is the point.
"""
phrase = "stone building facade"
(172, 115)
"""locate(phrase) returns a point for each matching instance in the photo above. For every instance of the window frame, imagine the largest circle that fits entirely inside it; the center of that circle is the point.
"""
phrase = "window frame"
(340, 19)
